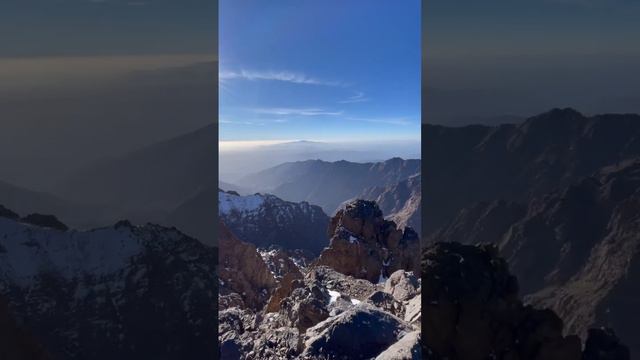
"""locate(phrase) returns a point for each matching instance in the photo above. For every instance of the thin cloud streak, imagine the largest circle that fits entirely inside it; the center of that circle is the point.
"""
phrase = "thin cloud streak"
(284, 76)
(357, 98)
(389, 121)
(297, 112)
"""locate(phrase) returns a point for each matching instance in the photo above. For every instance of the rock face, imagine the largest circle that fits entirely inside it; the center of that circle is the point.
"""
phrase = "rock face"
(401, 202)
(266, 220)
(471, 310)
(121, 292)
(365, 245)
(575, 250)
(242, 270)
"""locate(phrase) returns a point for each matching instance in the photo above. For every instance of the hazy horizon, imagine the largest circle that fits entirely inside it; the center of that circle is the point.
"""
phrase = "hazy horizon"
(248, 157)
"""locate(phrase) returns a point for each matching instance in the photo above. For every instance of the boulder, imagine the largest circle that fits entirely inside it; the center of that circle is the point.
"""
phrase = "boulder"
(402, 285)
(362, 332)
(407, 348)
(386, 302)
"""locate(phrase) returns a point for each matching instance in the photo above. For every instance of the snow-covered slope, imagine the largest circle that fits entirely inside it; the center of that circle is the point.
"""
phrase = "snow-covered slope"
(122, 292)
(266, 220)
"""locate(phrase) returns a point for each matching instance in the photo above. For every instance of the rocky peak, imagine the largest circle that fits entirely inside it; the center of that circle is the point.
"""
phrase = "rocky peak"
(365, 245)
(266, 220)
(48, 221)
(6, 213)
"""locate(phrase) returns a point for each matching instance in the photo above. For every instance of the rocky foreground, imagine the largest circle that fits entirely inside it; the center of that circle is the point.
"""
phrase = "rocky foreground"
(358, 300)
(466, 305)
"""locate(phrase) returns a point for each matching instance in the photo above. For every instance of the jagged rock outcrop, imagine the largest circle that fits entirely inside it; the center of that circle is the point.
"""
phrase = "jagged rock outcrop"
(242, 270)
(48, 221)
(266, 221)
(121, 292)
(365, 245)
(471, 310)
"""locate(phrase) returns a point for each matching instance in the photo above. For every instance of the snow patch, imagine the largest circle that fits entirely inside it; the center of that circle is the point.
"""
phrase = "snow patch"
(334, 296)
(31, 251)
(228, 203)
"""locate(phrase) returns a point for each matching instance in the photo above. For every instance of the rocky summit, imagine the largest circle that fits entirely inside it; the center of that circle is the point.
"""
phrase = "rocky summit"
(365, 245)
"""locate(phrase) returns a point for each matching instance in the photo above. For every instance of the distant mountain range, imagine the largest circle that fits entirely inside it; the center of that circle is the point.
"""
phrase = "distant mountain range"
(557, 194)
(402, 201)
(516, 162)
(172, 183)
(328, 184)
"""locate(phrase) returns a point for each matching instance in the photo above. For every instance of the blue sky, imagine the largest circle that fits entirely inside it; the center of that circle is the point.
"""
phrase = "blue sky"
(319, 70)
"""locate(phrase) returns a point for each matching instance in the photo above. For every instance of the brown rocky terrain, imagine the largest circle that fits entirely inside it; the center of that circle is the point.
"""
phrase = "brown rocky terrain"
(365, 245)
(242, 272)
(272, 307)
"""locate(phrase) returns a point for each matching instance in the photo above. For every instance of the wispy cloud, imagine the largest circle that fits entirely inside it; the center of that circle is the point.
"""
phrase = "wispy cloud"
(227, 121)
(284, 76)
(390, 121)
(357, 98)
(297, 112)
